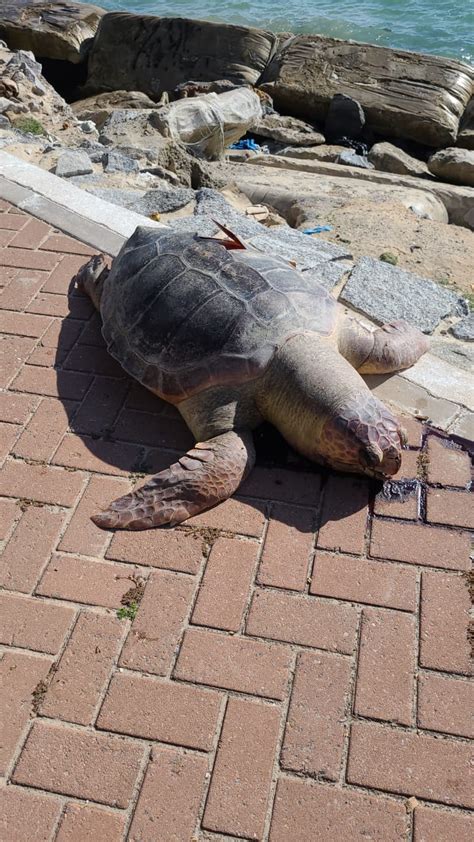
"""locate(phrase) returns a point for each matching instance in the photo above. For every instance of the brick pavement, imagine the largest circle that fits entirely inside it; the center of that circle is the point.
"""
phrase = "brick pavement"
(298, 665)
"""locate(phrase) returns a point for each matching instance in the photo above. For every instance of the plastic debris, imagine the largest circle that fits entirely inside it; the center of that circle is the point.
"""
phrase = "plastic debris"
(247, 143)
(317, 229)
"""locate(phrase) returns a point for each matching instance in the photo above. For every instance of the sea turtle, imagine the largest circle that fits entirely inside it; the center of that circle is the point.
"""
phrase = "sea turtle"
(232, 336)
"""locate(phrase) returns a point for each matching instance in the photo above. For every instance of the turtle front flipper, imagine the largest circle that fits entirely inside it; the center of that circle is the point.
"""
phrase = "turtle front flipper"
(392, 347)
(203, 477)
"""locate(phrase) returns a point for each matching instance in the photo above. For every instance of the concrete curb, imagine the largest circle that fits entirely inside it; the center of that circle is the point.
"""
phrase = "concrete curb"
(76, 212)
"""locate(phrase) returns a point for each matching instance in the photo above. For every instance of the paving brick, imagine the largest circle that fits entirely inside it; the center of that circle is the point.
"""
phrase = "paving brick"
(157, 628)
(84, 668)
(85, 823)
(12, 222)
(444, 620)
(19, 676)
(26, 815)
(33, 623)
(45, 357)
(361, 580)
(157, 431)
(303, 620)
(410, 467)
(8, 436)
(45, 430)
(92, 335)
(14, 351)
(420, 544)
(446, 465)
(99, 409)
(305, 810)
(6, 237)
(27, 259)
(9, 511)
(24, 324)
(19, 292)
(283, 485)
(236, 663)
(89, 582)
(52, 304)
(446, 704)
(392, 507)
(82, 535)
(161, 710)
(61, 243)
(450, 507)
(94, 359)
(40, 482)
(170, 797)
(314, 736)
(60, 278)
(29, 548)
(70, 385)
(31, 235)
(240, 784)
(97, 455)
(385, 684)
(173, 550)
(234, 515)
(225, 588)
(413, 430)
(62, 333)
(80, 763)
(15, 408)
(436, 825)
(344, 515)
(287, 548)
(420, 765)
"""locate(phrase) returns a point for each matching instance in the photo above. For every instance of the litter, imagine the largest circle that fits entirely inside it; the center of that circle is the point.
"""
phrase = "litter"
(317, 229)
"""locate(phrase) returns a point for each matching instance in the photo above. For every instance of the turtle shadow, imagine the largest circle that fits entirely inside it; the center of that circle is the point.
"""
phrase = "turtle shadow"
(118, 428)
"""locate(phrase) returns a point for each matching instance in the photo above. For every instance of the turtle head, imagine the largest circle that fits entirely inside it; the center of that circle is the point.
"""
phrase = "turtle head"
(91, 277)
(362, 436)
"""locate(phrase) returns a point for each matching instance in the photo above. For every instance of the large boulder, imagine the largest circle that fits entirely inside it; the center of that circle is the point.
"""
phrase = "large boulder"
(454, 165)
(153, 55)
(57, 30)
(290, 130)
(403, 94)
(389, 158)
(99, 108)
(466, 127)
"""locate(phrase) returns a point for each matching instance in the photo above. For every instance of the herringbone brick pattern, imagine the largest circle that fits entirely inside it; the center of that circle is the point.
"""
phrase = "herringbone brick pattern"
(297, 668)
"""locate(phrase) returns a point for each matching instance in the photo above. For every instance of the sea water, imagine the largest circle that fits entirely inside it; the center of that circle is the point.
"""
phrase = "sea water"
(441, 27)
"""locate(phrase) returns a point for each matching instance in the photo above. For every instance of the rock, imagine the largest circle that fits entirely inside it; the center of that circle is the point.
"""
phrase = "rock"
(209, 123)
(350, 159)
(87, 126)
(383, 293)
(287, 130)
(418, 97)
(4, 122)
(389, 158)
(454, 165)
(464, 329)
(189, 89)
(460, 354)
(325, 152)
(98, 108)
(57, 30)
(73, 163)
(345, 118)
(465, 137)
(115, 161)
(153, 55)
(163, 201)
(125, 198)
(458, 201)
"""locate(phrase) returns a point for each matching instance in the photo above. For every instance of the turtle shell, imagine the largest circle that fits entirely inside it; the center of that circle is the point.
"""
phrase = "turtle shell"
(182, 313)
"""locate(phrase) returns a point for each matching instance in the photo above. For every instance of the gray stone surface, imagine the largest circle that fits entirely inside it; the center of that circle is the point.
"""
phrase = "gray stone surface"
(459, 354)
(390, 158)
(211, 203)
(345, 118)
(73, 163)
(118, 162)
(351, 159)
(384, 293)
(455, 165)
(163, 201)
(464, 329)
(124, 198)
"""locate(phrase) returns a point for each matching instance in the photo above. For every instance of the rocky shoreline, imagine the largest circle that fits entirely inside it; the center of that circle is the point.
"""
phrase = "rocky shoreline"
(307, 146)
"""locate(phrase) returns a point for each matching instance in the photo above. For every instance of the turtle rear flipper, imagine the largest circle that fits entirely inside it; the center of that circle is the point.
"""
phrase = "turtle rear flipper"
(205, 476)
